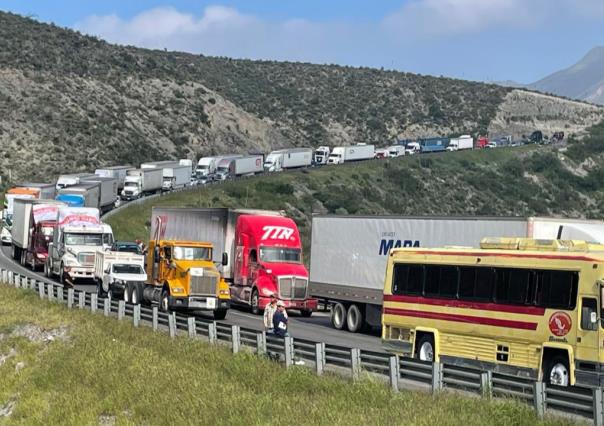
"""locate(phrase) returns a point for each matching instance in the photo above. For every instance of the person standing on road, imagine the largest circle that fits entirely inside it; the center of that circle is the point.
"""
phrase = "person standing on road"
(269, 311)
(280, 320)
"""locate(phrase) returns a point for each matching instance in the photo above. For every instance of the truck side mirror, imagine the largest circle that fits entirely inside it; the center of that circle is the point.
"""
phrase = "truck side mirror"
(225, 259)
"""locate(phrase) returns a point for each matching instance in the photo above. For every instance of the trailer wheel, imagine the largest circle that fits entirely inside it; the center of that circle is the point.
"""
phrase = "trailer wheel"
(23, 257)
(354, 319)
(99, 288)
(220, 314)
(306, 313)
(255, 302)
(338, 316)
(136, 294)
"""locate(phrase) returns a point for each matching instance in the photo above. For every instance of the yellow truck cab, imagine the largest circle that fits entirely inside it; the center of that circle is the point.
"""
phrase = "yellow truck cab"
(182, 275)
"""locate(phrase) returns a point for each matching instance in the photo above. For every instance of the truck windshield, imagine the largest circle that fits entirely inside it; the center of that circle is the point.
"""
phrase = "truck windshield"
(123, 268)
(130, 184)
(192, 253)
(74, 239)
(279, 254)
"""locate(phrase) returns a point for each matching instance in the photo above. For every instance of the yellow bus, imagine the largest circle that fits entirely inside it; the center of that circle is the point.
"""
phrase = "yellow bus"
(530, 308)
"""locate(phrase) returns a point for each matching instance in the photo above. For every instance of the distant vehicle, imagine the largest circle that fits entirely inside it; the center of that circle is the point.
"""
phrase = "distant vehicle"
(118, 172)
(396, 150)
(159, 164)
(491, 144)
(141, 182)
(342, 154)
(481, 142)
(412, 148)
(241, 166)
(115, 271)
(176, 177)
(558, 137)
(189, 163)
(71, 179)
(460, 143)
(536, 136)
(288, 159)
(206, 166)
(430, 145)
(382, 153)
(321, 155)
(126, 246)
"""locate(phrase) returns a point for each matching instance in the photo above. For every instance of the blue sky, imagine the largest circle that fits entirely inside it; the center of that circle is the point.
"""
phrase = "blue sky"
(520, 40)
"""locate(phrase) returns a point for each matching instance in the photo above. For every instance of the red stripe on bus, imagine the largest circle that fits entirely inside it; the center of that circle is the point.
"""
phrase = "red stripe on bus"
(517, 254)
(522, 325)
(452, 303)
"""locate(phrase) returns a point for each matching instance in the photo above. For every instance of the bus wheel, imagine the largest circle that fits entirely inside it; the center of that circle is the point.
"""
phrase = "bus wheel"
(354, 319)
(424, 350)
(338, 316)
(557, 370)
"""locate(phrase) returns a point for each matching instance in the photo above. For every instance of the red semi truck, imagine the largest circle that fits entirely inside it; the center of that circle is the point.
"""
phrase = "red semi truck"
(263, 252)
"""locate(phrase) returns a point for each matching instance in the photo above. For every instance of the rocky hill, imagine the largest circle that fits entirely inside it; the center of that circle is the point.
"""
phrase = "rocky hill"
(583, 80)
(73, 102)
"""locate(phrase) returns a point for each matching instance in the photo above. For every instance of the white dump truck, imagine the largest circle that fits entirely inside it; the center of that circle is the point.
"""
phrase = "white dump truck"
(113, 270)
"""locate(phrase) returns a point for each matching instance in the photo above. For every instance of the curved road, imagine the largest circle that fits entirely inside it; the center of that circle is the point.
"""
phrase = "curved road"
(316, 328)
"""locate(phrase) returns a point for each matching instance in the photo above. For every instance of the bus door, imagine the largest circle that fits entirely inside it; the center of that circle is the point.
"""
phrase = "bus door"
(588, 330)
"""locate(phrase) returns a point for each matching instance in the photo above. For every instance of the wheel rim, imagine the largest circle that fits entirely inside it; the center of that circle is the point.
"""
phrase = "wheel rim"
(255, 301)
(164, 303)
(559, 375)
(353, 317)
(134, 296)
(126, 295)
(338, 316)
(426, 352)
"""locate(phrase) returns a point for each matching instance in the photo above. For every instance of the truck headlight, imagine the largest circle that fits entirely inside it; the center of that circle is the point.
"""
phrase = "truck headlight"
(178, 290)
(224, 293)
(266, 292)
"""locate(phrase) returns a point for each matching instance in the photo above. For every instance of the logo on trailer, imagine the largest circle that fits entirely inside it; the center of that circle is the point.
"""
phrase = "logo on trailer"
(560, 323)
(277, 233)
(386, 245)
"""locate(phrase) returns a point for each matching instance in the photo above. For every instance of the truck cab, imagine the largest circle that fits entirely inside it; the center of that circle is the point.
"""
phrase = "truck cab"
(182, 275)
(132, 187)
(41, 236)
(336, 156)
(412, 148)
(273, 162)
(321, 155)
(268, 260)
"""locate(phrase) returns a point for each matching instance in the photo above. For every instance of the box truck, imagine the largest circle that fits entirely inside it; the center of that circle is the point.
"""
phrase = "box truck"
(176, 177)
(140, 182)
(117, 172)
(32, 231)
(85, 194)
(71, 179)
(262, 252)
(342, 154)
(77, 236)
(348, 253)
(460, 143)
(108, 191)
(288, 159)
(114, 271)
(430, 145)
(396, 150)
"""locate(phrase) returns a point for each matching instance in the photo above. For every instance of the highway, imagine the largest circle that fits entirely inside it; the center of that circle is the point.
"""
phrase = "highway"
(316, 328)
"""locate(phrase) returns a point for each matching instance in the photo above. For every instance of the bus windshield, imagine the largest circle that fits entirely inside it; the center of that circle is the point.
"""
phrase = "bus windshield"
(280, 254)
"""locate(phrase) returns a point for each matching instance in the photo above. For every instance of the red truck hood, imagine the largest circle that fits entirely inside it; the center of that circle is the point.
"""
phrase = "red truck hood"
(282, 269)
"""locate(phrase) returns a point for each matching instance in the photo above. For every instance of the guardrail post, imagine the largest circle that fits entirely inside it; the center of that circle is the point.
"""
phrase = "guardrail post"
(486, 384)
(136, 315)
(191, 327)
(598, 407)
(81, 299)
(50, 291)
(33, 285)
(60, 294)
(155, 318)
(24, 282)
(288, 346)
(539, 398)
(394, 372)
(235, 338)
(121, 309)
(172, 324)
(437, 377)
(94, 302)
(319, 358)
(106, 306)
(212, 334)
(261, 343)
(41, 290)
(11, 278)
(4, 275)
(355, 363)
(70, 298)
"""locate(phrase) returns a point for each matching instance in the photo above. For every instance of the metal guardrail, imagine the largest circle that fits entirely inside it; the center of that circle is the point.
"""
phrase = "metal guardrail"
(399, 372)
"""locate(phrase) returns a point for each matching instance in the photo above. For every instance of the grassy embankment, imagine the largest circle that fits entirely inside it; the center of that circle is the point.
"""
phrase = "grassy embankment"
(524, 181)
(102, 371)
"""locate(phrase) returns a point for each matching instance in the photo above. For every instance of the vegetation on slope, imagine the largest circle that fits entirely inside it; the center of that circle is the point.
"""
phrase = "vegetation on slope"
(96, 370)
(527, 181)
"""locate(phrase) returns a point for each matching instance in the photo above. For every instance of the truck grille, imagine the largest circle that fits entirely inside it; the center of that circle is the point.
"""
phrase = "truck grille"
(128, 193)
(292, 287)
(86, 259)
(204, 285)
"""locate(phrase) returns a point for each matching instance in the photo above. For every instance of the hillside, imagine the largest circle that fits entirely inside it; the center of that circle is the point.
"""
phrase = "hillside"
(73, 102)
(583, 80)
(527, 181)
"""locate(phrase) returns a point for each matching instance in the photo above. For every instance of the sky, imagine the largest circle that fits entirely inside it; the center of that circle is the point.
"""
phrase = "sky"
(485, 40)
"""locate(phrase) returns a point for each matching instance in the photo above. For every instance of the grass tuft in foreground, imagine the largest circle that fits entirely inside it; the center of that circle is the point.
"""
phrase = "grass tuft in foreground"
(96, 370)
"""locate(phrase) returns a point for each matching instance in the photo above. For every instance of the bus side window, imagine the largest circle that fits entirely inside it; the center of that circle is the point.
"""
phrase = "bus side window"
(407, 279)
(588, 306)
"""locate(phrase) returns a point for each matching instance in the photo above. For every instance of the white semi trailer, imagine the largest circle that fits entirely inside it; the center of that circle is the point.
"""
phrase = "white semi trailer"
(349, 253)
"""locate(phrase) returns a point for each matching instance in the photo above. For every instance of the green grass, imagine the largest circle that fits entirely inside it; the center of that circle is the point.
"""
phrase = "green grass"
(109, 368)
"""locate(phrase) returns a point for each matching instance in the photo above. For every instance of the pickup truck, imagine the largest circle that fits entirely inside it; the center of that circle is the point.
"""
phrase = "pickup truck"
(113, 270)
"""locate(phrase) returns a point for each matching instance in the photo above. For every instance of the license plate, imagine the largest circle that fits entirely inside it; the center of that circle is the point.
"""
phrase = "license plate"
(211, 303)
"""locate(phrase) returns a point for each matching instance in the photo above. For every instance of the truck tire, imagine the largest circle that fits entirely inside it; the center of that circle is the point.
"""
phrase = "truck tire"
(354, 319)
(23, 257)
(556, 371)
(137, 294)
(255, 303)
(306, 313)
(338, 316)
(62, 275)
(127, 293)
(424, 350)
(220, 314)
(46, 270)
(163, 302)
(16, 253)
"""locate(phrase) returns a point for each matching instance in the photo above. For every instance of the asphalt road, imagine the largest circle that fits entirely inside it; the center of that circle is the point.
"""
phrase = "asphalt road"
(316, 328)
